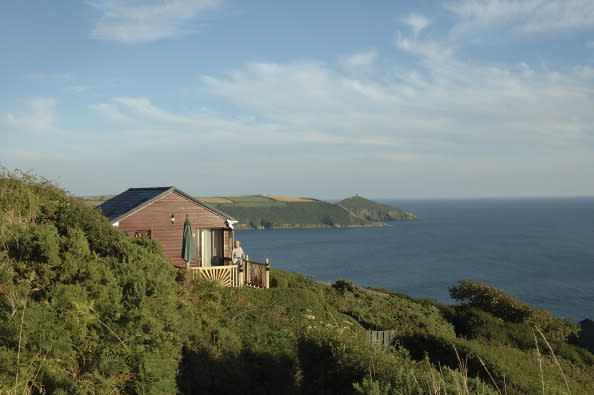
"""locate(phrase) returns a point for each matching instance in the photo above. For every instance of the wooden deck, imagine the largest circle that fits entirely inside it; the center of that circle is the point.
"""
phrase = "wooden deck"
(248, 274)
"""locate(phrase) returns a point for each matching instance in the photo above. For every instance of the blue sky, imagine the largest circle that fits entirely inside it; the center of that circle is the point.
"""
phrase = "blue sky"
(392, 99)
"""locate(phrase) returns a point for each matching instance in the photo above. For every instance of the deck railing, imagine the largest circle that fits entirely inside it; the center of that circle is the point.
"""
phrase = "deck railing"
(257, 274)
(248, 273)
(227, 276)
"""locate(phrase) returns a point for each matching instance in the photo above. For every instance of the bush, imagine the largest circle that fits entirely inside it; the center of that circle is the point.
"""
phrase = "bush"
(283, 279)
(509, 369)
(83, 308)
(344, 286)
(508, 308)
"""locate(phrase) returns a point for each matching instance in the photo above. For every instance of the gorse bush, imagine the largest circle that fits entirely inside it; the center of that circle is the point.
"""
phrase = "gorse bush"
(508, 308)
(82, 307)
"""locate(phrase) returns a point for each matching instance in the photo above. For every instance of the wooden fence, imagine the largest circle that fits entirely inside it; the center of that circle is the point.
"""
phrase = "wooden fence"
(249, 273)
(227, 276)
(382, 338)
(257, 274)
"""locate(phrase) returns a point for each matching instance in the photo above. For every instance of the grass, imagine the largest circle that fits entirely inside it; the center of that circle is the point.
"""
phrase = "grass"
(290, 199)
(215, 200)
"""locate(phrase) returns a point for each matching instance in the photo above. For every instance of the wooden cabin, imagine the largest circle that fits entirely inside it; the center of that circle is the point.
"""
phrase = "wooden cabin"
(159, 213)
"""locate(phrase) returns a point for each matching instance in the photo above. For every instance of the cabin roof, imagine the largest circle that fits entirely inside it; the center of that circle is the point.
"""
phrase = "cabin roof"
(134, 199)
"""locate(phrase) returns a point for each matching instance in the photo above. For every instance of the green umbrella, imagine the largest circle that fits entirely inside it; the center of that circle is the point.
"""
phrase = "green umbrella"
(188, 250)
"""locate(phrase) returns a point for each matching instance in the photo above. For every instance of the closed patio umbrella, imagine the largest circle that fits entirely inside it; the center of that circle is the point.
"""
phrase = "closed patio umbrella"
(188, 249)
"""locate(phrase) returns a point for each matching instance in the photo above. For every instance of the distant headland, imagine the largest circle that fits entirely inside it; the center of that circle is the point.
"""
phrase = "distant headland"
(276, 212)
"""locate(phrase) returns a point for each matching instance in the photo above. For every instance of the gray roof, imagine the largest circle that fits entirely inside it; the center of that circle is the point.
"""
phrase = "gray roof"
(134, 199)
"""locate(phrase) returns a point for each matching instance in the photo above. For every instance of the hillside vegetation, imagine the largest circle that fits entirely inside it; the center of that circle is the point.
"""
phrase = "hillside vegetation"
(84, 309)
(373, 211)
(274, 212)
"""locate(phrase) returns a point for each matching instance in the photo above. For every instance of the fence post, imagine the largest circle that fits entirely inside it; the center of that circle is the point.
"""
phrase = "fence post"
(247, 271)
(267, 274)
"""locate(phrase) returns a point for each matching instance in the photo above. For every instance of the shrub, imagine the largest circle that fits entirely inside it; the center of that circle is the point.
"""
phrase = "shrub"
(509, 369)
(508, 308)
(83, 308)
(344, 286)
(283, 279)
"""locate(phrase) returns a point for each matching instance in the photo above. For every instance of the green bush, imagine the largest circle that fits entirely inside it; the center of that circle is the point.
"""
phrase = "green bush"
(283, 279)
(508, 308)
(386, 312)
(508, 369)
(82, 307)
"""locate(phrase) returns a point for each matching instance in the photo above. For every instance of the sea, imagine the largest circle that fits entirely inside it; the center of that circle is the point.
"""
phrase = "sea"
(539, 250)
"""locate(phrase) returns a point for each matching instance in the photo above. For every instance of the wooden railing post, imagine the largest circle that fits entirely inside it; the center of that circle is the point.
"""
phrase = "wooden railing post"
(267, 274)
(246, 273)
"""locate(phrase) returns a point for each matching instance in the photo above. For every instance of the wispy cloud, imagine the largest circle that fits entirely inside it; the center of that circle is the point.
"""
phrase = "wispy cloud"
(446, 100)
(111, 112)
(129, 21)
(359, 59)
(529, 16)
(38, 117)
(417, 22)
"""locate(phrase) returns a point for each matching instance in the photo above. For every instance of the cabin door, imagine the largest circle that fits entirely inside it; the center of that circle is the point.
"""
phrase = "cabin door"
(212, 247)
(217, 247)
(206, 247)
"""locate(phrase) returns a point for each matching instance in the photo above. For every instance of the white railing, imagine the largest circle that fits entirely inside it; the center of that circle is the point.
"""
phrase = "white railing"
(248, 273)
(227, 276)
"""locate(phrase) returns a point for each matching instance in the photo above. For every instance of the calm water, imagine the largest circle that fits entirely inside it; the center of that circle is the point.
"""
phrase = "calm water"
(539, 250)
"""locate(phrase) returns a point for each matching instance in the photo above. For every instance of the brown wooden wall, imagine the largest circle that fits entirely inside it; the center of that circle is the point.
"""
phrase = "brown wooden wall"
(155, 217)
(228, 242)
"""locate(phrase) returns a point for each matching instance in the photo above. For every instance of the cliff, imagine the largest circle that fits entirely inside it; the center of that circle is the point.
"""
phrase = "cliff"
(373, 211)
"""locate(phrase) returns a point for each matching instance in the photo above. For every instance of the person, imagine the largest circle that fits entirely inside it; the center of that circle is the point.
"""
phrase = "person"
(237, 255)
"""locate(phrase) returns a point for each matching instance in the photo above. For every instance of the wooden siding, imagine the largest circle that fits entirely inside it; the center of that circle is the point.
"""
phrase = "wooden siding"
(156, 218)
(228, 242)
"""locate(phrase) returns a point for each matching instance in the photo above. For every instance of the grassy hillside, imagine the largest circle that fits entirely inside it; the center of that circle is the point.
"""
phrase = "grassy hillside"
(285, 212)
(373, 211)
(84, 309)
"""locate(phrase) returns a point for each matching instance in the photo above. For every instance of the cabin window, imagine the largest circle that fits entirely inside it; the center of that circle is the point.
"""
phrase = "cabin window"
(142, 234)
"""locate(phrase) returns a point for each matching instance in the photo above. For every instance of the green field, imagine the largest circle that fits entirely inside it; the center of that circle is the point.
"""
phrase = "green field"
(267, 211)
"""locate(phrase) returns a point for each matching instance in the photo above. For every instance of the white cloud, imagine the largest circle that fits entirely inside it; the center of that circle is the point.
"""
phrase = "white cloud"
(360, 59)
(38, 117)
(417, 22)
(130, 21)
(158, 127)
(529, 16)
(111, 112)
(427, 50)
(143, 107)
(445, 101)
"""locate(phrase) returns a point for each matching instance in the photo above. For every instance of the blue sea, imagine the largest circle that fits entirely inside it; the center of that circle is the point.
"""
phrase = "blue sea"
(539, 250)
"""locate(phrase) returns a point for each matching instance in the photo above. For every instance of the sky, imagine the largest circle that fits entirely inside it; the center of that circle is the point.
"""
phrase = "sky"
(324, 99)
